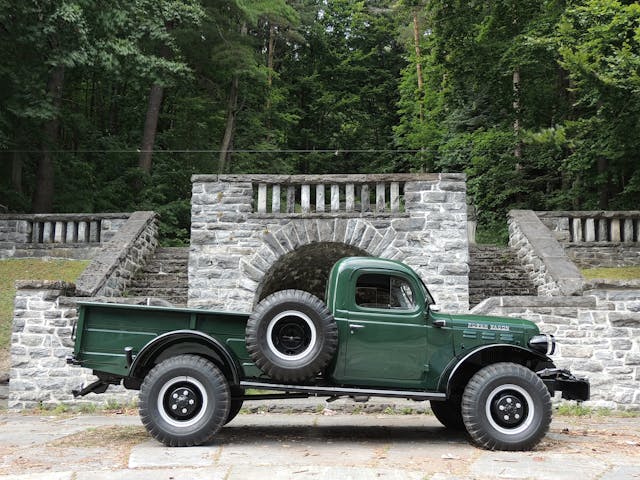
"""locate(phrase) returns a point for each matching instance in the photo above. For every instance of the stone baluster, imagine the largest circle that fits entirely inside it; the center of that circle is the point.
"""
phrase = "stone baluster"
(364, 197)
(94, 231)
(262, 198)
(320, 198)
(590, 230)
(335, 198)
(380, 197)
(72, 232)
(83, 232)
(395, 197)
(615, 229)
(275, 199)
(603, 235)
(628, 230)
(37, 232)
(47, 232)
(350, 197)
(576, 224)
(305, 198)
(59, 232)
(291, 199)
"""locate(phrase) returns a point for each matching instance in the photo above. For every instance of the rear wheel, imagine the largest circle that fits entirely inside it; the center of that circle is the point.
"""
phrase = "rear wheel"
(184, 401)
(506, 406)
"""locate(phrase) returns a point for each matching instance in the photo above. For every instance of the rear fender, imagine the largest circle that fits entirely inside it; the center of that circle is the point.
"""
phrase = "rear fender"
(183, 342)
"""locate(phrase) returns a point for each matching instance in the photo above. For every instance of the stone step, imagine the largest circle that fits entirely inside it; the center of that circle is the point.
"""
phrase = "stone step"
(164, 276)
(494, 271)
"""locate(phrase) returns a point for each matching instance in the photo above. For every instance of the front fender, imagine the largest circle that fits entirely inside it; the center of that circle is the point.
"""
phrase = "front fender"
(468, 363)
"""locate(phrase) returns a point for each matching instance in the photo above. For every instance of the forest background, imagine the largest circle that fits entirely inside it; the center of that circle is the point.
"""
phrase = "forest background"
(112, 106)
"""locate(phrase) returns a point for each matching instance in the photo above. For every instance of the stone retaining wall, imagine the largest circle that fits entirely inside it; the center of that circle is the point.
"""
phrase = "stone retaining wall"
(235, 243)
(598, 255)
(598, 336)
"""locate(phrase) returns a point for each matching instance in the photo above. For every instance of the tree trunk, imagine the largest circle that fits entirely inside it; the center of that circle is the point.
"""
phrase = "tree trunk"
(232, 110)
(416, 41)
(230, 129)
(271, 54)
(150, 128)
(516, 123)
(42, 201)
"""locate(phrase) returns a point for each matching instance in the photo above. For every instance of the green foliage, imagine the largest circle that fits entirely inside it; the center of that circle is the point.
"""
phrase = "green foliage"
(537, 101)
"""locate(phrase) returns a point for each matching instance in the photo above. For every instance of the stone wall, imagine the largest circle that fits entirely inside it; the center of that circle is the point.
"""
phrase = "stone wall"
(235, 244)
(542, 256)
(76, 236)
(40, 342)
(608, 254)
(598, 336)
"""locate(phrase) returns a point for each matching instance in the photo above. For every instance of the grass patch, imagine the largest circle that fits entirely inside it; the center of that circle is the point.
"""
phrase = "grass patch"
(27, 269)
(612, 273)
(579, 410)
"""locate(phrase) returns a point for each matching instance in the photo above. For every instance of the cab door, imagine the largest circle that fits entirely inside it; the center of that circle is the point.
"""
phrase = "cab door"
(387, 333)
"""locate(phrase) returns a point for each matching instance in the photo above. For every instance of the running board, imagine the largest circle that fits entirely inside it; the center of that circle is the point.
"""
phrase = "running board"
(345, 391)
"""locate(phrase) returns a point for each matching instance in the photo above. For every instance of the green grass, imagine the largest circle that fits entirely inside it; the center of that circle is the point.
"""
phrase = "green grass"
(617, 273)
(579, 410)
(27, 269)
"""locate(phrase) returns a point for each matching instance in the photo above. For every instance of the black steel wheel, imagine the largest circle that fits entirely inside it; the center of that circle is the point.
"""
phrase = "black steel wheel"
(184, 401)
(506, 406)
(449, 413)
(291, 335)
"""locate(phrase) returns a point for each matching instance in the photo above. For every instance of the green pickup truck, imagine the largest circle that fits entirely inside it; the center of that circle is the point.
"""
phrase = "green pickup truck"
(378, 334)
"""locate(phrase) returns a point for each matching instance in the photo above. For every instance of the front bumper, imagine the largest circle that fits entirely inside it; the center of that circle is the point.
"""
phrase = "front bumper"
(572, 387)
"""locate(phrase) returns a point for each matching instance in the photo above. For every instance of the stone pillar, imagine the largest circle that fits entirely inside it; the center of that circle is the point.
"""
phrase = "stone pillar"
(40, 342)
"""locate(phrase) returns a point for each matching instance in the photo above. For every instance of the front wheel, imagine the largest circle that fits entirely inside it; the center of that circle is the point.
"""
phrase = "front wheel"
(506, 406)
(184, 401)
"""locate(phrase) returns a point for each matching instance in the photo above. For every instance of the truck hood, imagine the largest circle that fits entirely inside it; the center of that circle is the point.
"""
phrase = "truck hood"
(491, 323)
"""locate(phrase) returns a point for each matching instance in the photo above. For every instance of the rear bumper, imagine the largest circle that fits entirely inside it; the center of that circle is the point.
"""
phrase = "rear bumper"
(572, 387)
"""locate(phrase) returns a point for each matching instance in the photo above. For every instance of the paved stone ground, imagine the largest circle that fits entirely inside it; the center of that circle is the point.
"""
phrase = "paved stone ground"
(320, 446)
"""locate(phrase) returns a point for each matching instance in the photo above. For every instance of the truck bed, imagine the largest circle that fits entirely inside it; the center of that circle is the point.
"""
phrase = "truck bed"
(104, 331)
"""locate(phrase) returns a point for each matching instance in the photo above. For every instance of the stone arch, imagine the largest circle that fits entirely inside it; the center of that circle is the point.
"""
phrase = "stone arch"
(357, 235)
(306, 268)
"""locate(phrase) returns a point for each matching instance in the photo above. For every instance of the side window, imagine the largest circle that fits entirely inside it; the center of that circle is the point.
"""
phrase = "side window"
(384, 291)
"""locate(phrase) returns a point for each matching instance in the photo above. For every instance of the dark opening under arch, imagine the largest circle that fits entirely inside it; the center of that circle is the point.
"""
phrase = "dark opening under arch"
(306, 268)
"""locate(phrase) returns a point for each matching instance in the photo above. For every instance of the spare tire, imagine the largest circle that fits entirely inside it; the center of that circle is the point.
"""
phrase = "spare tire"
(291, 336)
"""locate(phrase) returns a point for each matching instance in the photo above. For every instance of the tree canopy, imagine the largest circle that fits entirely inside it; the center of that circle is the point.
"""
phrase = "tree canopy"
(112, 106)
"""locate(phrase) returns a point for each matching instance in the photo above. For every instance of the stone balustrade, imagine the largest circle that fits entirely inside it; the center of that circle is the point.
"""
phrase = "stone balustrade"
(594, 226)
(72, 228)
(308, 194)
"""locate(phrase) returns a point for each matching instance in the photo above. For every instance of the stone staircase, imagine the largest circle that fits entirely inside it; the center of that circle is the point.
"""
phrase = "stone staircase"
(494, 272)
(164, 276)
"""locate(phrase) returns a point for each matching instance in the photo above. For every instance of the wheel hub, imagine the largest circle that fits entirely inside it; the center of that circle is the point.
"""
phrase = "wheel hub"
(183, 403)
(509, 410)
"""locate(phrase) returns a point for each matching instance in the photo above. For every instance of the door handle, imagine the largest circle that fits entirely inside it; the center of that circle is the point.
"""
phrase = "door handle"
(354, 326)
